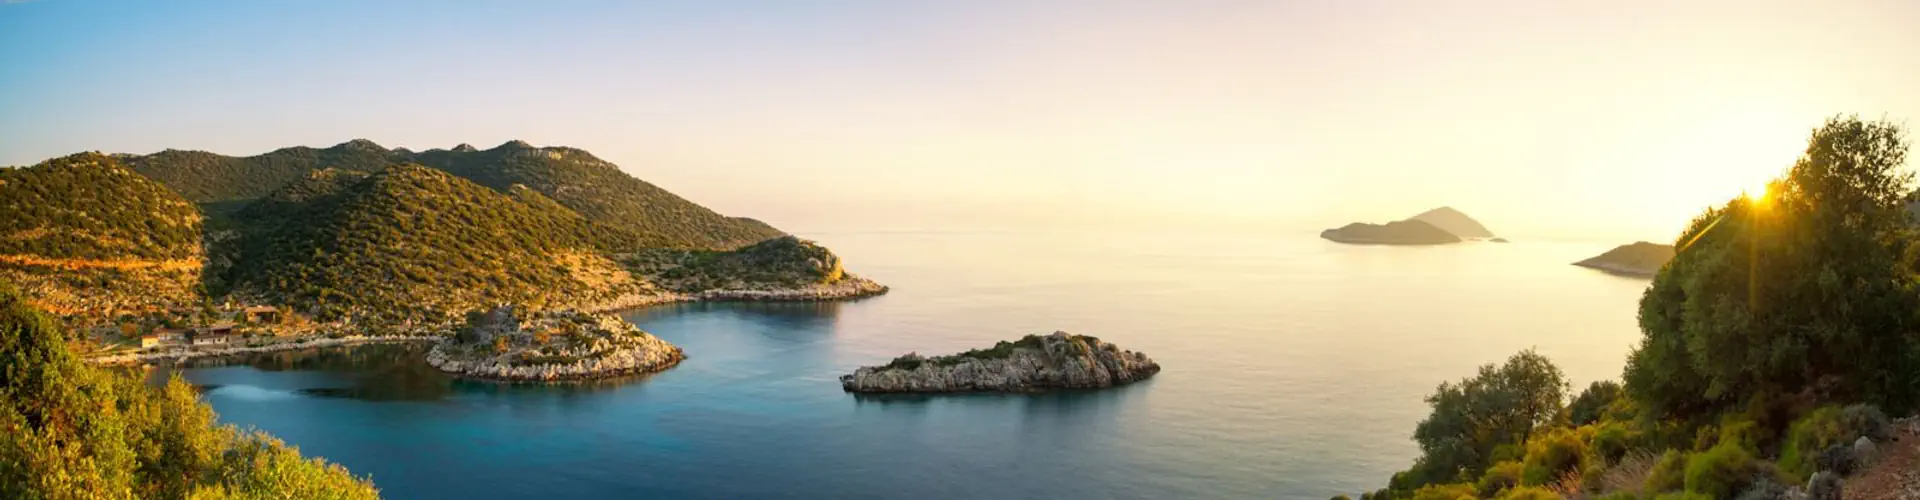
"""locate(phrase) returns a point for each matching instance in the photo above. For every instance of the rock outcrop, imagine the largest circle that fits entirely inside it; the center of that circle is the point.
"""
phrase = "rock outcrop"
(552, 346)
(1406, 232)
(1638, 259)
(1033, 363)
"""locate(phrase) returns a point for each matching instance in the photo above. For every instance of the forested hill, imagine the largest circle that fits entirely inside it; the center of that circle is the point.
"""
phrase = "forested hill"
(88, 206)
(414, 243)
(594, 188)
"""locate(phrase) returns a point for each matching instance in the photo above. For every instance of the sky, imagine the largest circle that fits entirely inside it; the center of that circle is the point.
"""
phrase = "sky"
(1602, 121)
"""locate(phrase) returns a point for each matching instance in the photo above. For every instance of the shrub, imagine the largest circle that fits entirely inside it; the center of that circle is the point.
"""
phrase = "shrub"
(1668, 474)
(1838, 458)
(1552, 455)
(1763, 488)
(1866, 420)
(1722, 471)
(1529, 493)
(1592, 403)
(1500, 477)
(1740, 431)
(1456, 491)
(1684, 495)
(1611, 442)
(1618, 495)
(1341, 497)
(1806, 438)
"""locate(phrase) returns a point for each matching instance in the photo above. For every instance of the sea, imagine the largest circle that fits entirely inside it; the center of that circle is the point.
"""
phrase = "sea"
(1293, 367)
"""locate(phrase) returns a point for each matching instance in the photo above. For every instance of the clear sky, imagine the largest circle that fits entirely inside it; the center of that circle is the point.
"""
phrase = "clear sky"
(1603, 120)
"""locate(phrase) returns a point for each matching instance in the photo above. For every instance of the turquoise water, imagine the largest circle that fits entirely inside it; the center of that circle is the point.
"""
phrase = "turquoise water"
(1294, 368)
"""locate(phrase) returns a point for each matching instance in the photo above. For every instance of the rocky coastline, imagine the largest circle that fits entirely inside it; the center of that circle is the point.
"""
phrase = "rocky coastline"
(551, 346)
(1639, 259)
(1034, 363)
(185, 353)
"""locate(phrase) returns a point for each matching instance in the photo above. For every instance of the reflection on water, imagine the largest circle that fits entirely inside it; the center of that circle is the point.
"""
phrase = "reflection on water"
(1294, 369)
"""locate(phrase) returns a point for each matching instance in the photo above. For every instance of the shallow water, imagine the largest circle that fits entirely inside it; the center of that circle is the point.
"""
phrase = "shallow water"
(1294, 368)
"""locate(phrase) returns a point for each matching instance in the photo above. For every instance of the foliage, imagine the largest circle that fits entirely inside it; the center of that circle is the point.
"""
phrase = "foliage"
(779, 262)
(1612, 441)
(1829, 431)
(1529, 493)
(1471, 418)
(1456, 491)
(1587, 407)
(1499, 477)
(1805, 285)
(1669, 474)
(635, 214)
(1553, 455)
(1721, 472)
(88, 206)
(76, 431)
(410, 243)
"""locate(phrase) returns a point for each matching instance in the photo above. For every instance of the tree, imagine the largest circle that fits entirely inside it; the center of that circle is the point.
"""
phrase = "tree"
(1500, 406)
(1805, 285)
(1592, 403)
(69, 430)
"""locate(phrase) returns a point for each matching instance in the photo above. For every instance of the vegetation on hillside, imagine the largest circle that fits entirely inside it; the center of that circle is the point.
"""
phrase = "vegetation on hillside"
(88, 238)
(410, 243)
(1772, 341)
(776, 263)
(632, 214)
(88, 206)
(68, 430)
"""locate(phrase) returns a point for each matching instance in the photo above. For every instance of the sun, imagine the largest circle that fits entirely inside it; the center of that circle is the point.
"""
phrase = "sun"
(1759, 192)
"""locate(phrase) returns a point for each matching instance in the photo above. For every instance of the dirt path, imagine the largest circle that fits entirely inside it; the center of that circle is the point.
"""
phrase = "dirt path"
(1892, 474)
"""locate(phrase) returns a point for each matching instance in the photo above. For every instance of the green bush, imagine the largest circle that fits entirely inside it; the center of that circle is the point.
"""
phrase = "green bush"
(1669, 474)
(1529, 493)
(1741, 432)
(1618, 495)
(1866, 420)
(1684, 495)
(1722, 471)
(1807, 437)
(1611, 441)
(1456, 491)
(1593, 402)
(1500, 477)
(1552, 455)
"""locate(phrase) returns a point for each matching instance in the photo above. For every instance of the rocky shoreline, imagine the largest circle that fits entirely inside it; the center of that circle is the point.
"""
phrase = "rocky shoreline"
(1034, 363)
(551, 346)
(290, 345)
(849, 288)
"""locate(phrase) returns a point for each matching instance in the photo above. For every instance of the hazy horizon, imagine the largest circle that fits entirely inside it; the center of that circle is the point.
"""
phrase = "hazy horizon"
(1612, 122)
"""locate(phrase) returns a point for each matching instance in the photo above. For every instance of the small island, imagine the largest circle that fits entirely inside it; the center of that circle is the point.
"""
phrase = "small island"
(551, 346)
(1033, 363)
(1439, 226)
(1640, 259)
(1405, 232)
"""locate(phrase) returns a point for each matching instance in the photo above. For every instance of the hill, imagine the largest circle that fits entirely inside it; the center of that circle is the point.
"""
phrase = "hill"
(1637, 259)
(1405, 232)
(410, 243)
(84, 233)
(1453, 221)
(640, 214)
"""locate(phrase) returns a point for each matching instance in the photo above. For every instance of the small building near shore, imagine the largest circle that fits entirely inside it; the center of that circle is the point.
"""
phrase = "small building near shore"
(163, 337)
(218, 334)
(262, 315)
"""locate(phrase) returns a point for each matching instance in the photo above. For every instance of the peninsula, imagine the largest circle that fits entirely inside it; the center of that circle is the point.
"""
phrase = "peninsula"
(508, 344)
(1640, 259)
(1033, 363)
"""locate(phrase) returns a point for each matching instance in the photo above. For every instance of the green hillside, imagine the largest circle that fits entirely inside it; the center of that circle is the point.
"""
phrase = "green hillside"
(414, 243)
(84, 236)
(88, 206)
(635, 214)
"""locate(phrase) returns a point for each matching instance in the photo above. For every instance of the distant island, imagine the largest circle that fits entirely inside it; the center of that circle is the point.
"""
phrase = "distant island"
(1640, 259)
(1033, 363)
(1434, 227)
(551, 346)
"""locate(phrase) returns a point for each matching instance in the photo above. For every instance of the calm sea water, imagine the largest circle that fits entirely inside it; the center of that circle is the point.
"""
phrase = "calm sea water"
(1294, 368)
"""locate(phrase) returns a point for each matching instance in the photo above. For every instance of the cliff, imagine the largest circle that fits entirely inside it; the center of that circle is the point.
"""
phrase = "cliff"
(1033, 363)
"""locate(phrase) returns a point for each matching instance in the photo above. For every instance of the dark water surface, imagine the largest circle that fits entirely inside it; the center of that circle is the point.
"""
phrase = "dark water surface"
(1294, 368)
